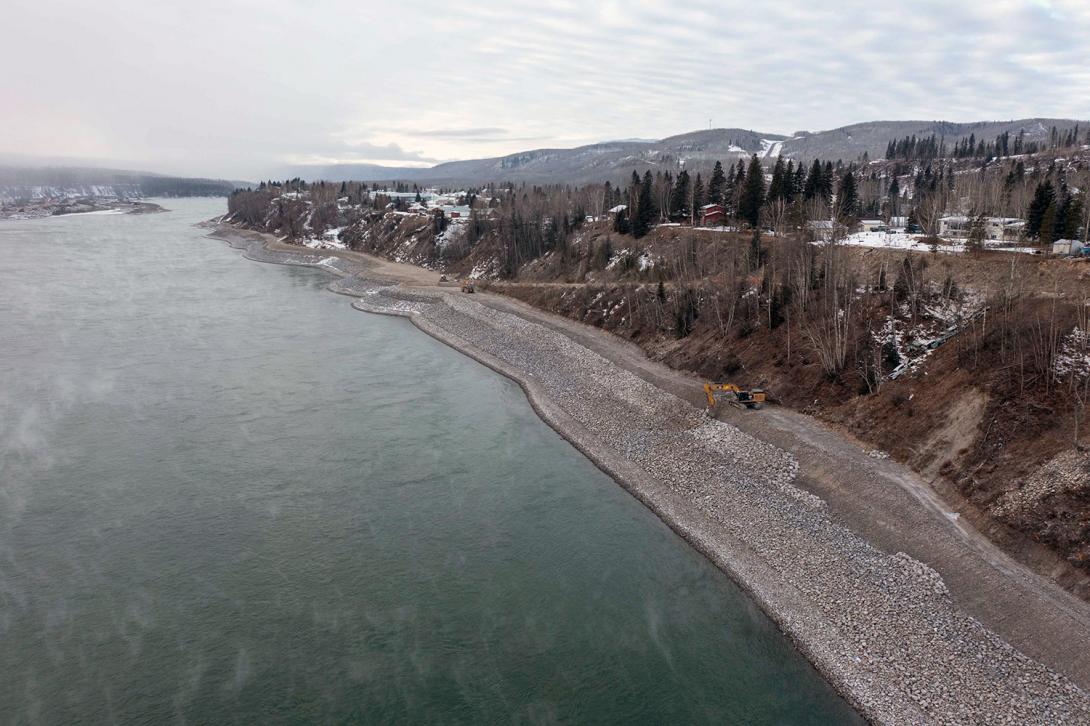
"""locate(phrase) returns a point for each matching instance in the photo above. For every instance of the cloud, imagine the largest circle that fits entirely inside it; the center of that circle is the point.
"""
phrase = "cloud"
(229, 87)
(488, 131)
(389, 151)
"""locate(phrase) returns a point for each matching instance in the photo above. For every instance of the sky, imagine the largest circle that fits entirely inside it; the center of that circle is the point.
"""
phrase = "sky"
(247, 90)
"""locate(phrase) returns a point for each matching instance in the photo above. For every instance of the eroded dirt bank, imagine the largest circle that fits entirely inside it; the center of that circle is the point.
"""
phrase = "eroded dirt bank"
(881, 625)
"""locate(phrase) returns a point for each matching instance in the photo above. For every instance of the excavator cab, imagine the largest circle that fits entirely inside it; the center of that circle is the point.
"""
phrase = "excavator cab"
(750, 398)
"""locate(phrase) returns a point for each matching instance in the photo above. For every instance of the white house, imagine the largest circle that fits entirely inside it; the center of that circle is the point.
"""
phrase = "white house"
(955, 226)
(1067, 247)
(1003, 228)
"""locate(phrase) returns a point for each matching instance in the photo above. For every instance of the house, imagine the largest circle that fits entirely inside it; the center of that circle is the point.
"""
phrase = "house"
(898, 222)
(822, 229)
(955, 226)
(1005, 228)
(1067, 247)
(712, 214)
(960, 226)
(872, 225)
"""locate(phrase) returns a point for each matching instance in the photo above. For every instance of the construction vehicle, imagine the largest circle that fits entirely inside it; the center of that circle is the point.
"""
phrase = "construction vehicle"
(751, 398)
(467, 286)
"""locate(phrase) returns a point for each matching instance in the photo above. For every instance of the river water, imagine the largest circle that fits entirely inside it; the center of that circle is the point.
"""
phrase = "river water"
(225, 496)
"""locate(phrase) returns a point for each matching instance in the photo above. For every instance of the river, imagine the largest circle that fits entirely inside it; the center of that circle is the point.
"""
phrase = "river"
(226, 496)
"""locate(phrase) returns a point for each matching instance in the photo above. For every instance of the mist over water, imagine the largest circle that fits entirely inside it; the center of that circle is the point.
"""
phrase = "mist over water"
(225, 496)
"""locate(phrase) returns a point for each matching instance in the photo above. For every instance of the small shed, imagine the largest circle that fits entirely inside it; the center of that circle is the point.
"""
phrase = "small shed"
(822, 229)
(1067, 247)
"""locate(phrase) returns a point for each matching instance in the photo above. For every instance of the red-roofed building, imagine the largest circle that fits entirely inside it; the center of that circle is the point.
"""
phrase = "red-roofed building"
(712, 215)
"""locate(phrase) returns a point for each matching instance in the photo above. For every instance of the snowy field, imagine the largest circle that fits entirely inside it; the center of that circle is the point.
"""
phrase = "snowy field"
(898, 241)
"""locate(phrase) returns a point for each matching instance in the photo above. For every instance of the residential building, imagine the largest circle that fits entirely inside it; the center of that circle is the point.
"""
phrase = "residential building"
(712, 215)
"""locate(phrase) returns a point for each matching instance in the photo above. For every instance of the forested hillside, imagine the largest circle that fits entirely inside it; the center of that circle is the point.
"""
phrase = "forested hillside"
(19, 182)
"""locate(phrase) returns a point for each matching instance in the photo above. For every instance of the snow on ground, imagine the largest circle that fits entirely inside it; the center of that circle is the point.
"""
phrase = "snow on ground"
(618, 258)
(770, 149)
(455, 232)
(330, 240)
(1074, 355)
(897, 241)
(481, 269)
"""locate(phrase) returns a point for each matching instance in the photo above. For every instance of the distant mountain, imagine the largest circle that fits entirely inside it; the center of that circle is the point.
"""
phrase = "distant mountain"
(850, 142)
(616, 160)
(596, 162)
(62, 181)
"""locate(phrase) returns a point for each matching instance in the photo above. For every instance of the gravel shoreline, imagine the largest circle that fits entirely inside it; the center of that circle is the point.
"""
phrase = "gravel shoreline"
(881, 628)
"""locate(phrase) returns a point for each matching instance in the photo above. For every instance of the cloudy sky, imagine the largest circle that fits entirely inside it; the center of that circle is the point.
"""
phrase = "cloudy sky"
(245, 89)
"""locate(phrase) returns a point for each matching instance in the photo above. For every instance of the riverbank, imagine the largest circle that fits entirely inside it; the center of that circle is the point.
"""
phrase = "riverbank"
(42, 208)
(884, 629)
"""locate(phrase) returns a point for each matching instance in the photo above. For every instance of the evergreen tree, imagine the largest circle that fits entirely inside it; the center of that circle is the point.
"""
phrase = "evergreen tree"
(729, 195)
(716, 185)
(789, 182)
(1072, 224)
(777, 188)
(1047, 233)
(739, 185)
(620, 222)
(847, 197)
(827, 177)
(1043, 197)
(698, 194)
(798, 188)
(679, 198)
(1063, 209)
(813, 181)
(753, 193)
(645, 208)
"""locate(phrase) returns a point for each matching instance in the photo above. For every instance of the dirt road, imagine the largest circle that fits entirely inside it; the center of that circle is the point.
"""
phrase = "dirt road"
(890, 506)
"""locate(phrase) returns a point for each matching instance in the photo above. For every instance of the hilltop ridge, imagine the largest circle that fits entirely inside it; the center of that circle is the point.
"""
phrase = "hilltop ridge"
(613, 161)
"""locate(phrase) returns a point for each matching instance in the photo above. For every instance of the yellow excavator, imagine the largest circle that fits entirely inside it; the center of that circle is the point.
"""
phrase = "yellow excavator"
(468, 286)
(751, 398)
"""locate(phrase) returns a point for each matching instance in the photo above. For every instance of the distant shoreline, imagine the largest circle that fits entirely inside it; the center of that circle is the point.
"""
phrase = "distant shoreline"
(46, 208)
